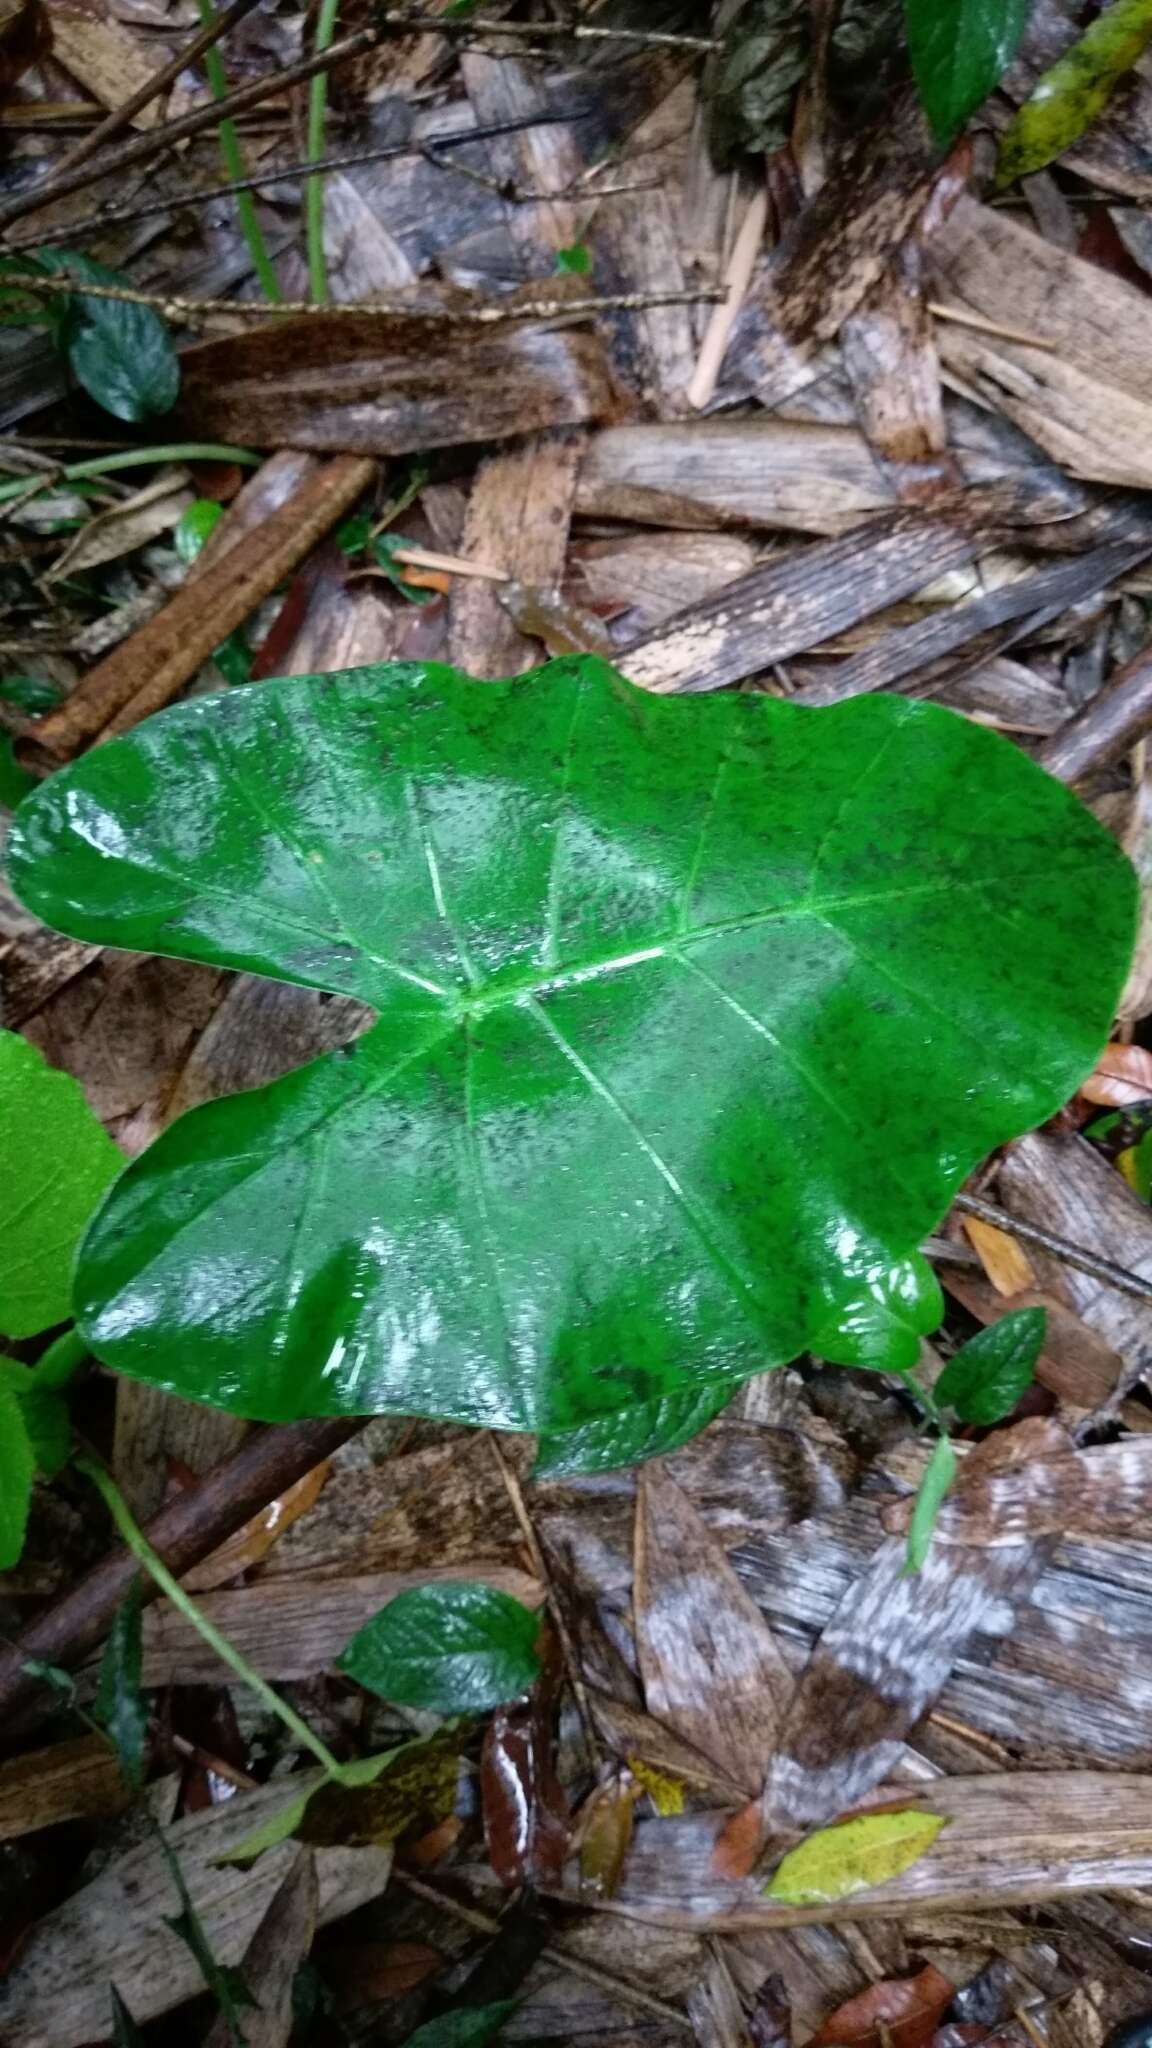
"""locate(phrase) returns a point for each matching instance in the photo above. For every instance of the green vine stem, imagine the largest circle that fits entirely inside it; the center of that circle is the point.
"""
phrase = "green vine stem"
(314, 190)
(233, 160)
(141, 1549)
(127, 458)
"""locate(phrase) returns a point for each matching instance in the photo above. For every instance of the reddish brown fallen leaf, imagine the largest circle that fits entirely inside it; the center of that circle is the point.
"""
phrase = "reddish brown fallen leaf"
(605, 1829)
(896, 2013)
(251, 1544)
(1122, 1074)
(431, 1847)
(527, 1823)
(738, 1844)
(372, 1972)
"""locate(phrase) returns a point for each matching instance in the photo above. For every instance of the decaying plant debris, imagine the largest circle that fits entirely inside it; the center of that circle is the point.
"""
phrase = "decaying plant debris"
(912, 453)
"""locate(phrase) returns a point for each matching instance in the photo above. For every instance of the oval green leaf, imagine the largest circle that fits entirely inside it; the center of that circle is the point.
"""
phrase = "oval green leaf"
(959, 49)
(58, 1161)
(120, 352)
(939, 1474)
(455, 1648)
(631, 1434)
(854, 1856)
(693, 1014)
(987, 1376)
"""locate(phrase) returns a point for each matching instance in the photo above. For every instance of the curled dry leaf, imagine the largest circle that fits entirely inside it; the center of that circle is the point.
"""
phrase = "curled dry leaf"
(252, 1544)
(605, 1833)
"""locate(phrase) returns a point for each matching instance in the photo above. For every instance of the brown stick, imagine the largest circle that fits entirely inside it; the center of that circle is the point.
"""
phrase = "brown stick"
(157, 139)
(187, 1530)
(1107, 727)
(142, 147)
(159, 82)
(151, 667)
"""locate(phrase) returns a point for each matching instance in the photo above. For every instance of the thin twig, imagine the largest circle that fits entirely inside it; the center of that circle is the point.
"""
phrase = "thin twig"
(963, 318)
(120, 117)
(194, 1524)
(540, 1567)
(555, 1952)
(563, 31)
(493, 313)
(1078, 1255)
(1108, 726)
(144, 147)
(275, 174)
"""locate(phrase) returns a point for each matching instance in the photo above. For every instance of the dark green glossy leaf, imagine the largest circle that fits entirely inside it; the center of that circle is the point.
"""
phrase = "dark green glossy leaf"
(15, 781)
(120, 1706)
(959, 49)
(33, 694)
(473, 2026)
(750, 86)
(987, 1376)
(121, 353)
(17, 1471)
(938, 1476)
(1067, 98)
(630, 1435)
(693, 1014)
(456, 1648)
(58, 1160)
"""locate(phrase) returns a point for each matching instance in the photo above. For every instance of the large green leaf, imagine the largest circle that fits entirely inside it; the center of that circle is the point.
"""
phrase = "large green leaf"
(694, 1012)
(959, 49)
(57, 1160)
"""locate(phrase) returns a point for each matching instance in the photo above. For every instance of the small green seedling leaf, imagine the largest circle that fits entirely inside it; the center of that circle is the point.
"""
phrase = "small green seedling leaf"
(197, 521)
(472, 2026)
(649, 1430)
(1067, 98)
(959, 49)
(938, 1476)
(853, 1856)
(880, 1323)
(45, 1415)
(575, 260)
(454, 1648)
(58, 1161)
(121, 353)
(120, 1706)
(734, 973)
(33, 694)
(986, 1377)
(17, 1471)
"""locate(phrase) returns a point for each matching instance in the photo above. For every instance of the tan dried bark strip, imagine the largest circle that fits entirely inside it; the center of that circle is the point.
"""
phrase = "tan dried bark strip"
(151, 668)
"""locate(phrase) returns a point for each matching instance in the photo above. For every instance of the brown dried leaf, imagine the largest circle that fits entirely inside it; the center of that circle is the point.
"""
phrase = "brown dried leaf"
(1064, 1186)
(604, 1828)
(896, 2013)
(418, 1790)
(518, 517)
(389, 385)
(273, 1956)
(1004, 1259)
(712, 1668)
(252, 1544)
(1054, 1490)
(890, 355)
(801, 476)
(77, 1780)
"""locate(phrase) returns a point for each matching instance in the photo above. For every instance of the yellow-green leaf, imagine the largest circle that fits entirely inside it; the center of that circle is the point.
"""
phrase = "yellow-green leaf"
(413, 1782)
(665, 1791)
(1067, 98)
(854, 1856)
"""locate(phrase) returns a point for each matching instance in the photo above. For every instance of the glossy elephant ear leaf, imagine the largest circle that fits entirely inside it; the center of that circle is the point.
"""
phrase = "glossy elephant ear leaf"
(693, 1012)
